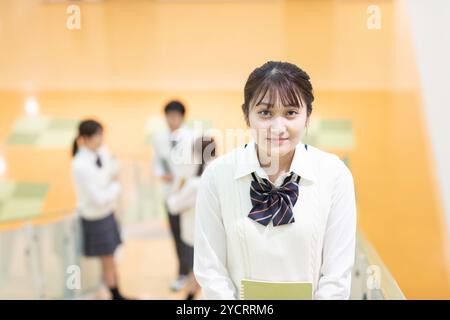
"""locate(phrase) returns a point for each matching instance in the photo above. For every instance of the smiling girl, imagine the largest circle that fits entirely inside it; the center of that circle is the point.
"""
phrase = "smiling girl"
(276, 209)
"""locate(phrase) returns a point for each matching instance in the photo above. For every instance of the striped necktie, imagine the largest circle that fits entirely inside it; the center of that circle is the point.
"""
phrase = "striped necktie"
(271, 203)
(98, 162)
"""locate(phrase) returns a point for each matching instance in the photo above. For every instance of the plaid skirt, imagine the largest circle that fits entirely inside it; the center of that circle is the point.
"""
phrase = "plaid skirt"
(100, 237)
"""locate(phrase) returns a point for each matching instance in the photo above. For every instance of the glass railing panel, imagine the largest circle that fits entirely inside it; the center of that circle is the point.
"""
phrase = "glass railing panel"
(45, 261)
(371, 279)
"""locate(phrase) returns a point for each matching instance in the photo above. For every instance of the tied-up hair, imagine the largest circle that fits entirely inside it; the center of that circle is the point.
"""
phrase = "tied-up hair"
(87, 129)
(278, 80)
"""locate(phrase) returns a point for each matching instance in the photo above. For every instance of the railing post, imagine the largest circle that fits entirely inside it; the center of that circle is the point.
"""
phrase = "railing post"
(69, 253)
(34, 262)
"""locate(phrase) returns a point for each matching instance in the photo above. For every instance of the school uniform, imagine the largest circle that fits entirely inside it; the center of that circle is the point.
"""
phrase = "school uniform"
(97, 193)
(313, 242)
(182, 202)
(172, 150)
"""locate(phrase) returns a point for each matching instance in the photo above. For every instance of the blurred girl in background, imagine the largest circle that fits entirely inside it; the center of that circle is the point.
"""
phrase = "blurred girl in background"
(182, 200)
(97, 189)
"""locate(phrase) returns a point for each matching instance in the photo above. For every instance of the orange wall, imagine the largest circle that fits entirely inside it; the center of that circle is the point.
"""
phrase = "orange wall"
(129, 58)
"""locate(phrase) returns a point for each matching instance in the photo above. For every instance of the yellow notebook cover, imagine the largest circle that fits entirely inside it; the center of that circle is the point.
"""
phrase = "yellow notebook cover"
(269, 290)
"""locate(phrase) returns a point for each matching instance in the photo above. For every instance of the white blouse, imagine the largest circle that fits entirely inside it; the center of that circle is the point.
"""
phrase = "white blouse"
(96, 189)
(168, 159)
(319, 247)
(182, 202)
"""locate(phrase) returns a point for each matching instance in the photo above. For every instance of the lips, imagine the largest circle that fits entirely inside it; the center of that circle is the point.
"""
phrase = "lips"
(278, 140)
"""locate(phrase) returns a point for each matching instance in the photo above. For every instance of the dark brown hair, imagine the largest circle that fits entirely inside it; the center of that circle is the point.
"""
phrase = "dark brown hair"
(207, 146)
(278, 79)
(86, 128)
(175, 106)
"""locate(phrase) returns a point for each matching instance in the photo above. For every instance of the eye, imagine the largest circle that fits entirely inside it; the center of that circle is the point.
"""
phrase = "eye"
(264, 113)
(292, 113)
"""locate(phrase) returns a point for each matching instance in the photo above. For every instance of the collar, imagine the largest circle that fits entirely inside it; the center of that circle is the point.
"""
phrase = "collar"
(178, 133)
(89, 154)
(247, 162)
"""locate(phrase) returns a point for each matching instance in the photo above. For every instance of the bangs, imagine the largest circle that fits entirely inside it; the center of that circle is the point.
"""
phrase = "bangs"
(275, 89)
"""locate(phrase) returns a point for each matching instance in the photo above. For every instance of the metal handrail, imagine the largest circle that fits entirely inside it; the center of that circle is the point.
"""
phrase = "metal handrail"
(43, 218)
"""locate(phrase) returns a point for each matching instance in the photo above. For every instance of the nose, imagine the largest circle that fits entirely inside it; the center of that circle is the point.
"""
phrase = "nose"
(278, 126)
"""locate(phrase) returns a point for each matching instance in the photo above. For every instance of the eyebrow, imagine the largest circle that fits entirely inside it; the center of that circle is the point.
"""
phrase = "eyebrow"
(265, 104)
(270, 105)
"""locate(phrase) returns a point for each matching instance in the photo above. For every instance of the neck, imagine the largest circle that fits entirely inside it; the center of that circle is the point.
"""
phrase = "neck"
(275, 164)
(90, 149)
(175, 129)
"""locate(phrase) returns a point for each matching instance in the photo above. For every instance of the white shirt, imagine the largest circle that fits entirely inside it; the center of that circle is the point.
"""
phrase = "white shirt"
(168, 159)
(182, 201)
(319, 247)
(95, 187)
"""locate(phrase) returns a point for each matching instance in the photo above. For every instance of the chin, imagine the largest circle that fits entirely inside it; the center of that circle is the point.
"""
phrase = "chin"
(282, 149)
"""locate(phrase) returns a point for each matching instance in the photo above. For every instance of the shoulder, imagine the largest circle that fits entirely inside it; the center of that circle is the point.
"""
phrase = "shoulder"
(80, 165)
(160, 137)
(328, 164)
(331, 169)
(77, 162)
(104, 152)
(324, 158)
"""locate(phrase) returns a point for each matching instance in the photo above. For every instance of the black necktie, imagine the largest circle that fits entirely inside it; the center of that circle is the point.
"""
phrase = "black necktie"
(271, 203)
(98, 162)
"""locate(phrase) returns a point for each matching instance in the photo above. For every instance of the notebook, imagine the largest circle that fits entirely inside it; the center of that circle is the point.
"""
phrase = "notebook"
(166, 166)
(269, 290)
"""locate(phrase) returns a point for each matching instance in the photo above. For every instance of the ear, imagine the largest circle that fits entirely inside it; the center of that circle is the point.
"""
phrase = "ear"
(80, 141)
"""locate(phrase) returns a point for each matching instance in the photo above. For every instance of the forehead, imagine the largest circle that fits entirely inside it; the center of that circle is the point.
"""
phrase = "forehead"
(173, 114)
(278, 97)
(98, 133)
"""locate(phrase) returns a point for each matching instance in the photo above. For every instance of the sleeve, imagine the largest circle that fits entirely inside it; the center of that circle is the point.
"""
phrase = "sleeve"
(113, 162)
(338, 252)
(158, 166)
(99, 197)
(179, 202)
(210, 243)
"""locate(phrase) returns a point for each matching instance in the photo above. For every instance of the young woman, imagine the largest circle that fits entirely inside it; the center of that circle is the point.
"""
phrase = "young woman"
(276, 209)
(97, 188)
(183, 196)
